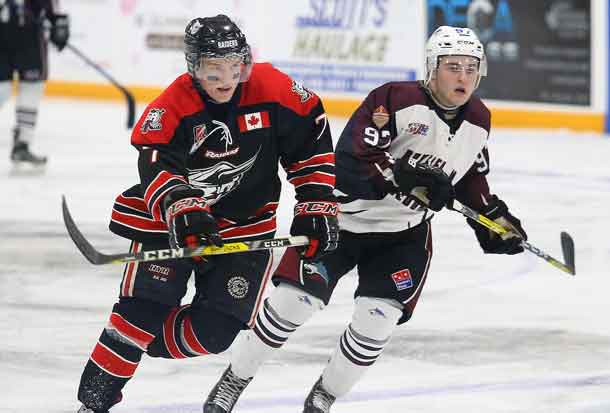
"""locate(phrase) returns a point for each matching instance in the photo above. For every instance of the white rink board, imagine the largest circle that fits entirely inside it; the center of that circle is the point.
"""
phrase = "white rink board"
(130, 38)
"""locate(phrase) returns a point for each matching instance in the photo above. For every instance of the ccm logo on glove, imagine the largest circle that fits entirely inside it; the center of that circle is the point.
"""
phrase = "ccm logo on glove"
(184, 205)
(316, 208)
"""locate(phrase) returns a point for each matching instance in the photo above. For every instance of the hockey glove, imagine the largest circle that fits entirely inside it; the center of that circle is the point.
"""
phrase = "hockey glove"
(318, 221)
(60, 31)
(492, 243)
(410, 175)
(188, 219)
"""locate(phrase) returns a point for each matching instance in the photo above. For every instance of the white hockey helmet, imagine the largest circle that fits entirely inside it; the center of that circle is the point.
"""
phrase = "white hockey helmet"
(448, 41)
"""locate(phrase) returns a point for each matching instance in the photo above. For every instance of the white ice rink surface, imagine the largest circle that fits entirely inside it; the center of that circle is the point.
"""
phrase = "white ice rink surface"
(491, 334)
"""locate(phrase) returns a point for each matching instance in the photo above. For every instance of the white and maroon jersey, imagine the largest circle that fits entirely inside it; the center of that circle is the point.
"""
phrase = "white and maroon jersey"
(400, 119)
(231, 151)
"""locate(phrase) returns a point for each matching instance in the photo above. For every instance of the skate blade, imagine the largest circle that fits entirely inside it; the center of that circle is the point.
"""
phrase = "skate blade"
(27, 169)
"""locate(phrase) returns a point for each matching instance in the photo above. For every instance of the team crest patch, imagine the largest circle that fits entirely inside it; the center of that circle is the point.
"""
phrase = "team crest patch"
(416, 128)
(402, 279)
(199, 135)
(380, 116)
(238, 287)
(300, 90)
(152, 122)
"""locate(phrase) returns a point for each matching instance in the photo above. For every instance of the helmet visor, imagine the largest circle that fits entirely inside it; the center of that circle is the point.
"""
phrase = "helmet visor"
(227, 69)
(456, 64)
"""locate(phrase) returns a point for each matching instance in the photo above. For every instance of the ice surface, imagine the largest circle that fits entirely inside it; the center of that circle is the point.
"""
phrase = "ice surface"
(492, 334)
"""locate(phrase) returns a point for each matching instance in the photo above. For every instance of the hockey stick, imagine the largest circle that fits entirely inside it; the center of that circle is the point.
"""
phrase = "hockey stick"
(131, 105)
(98, 258)
(567, 243)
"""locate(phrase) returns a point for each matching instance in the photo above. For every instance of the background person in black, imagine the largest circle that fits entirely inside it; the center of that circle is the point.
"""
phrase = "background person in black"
(209, 149)
(23, 50)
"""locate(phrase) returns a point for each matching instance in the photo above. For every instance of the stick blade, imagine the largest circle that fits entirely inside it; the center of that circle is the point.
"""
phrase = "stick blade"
(131, 109)
(567, 246)
(77, 237)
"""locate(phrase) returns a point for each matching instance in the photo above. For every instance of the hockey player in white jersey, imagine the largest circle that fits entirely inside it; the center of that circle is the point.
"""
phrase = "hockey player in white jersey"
(430, 134)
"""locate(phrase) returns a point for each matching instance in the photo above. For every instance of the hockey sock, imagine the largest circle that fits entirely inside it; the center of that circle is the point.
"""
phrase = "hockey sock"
(282, 313)
(194, 331)
(372, 324)
(111, 365)
(118, 352)
(28, 100)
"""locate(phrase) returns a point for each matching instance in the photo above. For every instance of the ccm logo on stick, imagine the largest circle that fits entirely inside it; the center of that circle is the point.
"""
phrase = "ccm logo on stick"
(161, 254)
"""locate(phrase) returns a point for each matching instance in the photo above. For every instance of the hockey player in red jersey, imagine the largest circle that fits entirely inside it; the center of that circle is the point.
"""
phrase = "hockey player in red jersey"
(24, 51)
(430, 134)
(209, 149)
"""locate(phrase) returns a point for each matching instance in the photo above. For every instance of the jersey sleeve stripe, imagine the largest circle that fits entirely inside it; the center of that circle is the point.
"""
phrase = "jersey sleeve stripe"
(163, 182)
(317, 160)
(316, 178)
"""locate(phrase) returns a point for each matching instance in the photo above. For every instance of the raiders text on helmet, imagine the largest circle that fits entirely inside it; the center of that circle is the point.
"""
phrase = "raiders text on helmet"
(450, 41)
(214, 37)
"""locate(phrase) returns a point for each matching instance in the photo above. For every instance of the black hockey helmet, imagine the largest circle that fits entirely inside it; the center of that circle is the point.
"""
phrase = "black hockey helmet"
(214, 37)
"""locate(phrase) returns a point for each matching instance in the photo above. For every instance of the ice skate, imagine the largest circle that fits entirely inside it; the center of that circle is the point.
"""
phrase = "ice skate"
(318, 400)
(24, 161)
(224, 395)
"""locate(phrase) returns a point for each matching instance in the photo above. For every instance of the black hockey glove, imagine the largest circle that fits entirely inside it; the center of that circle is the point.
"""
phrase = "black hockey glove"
(410, 175)
(60, 31)
(188, 219)
(492, 243)
(318, 221)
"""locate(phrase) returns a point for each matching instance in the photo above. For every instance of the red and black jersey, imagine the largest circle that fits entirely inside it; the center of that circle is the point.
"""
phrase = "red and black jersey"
(231, 151)
(26, 12)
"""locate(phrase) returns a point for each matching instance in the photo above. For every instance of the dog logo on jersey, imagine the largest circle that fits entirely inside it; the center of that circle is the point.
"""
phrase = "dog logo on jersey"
(300, 90)
(380, 116)
(238, 287)
(152, 122)
(219, 180)
(402, 279)
(315, 271)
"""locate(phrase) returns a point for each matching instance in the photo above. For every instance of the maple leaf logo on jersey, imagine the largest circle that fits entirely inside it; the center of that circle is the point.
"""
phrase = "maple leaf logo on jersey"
(255, 120)
(152, 122)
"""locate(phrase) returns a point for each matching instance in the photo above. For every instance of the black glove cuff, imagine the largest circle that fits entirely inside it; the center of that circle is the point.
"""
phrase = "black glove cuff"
(180, 192)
